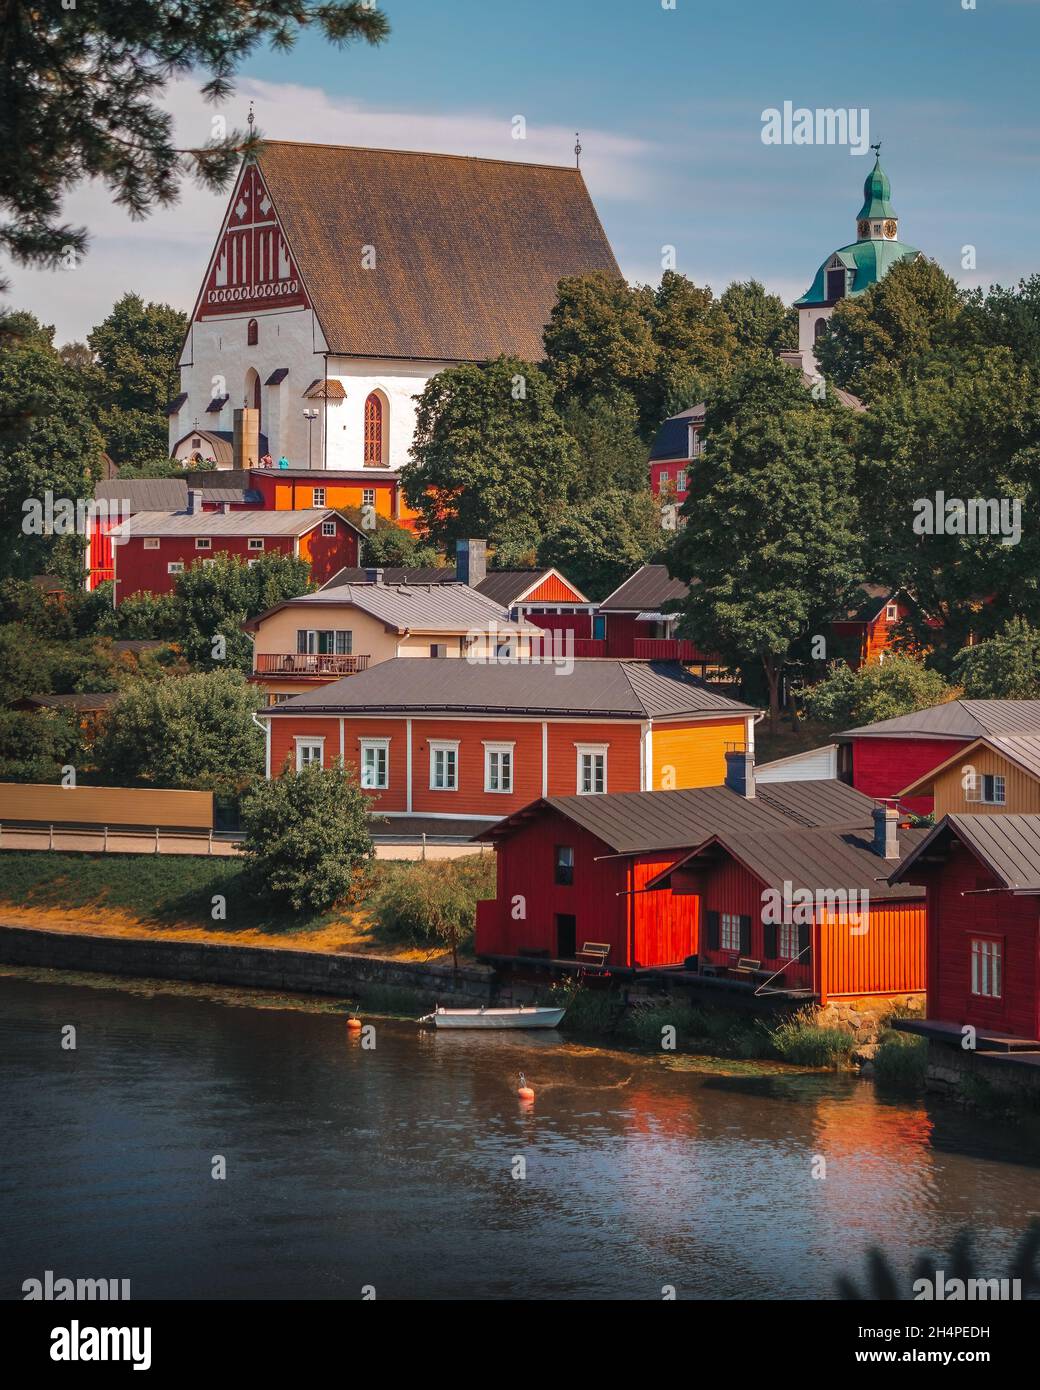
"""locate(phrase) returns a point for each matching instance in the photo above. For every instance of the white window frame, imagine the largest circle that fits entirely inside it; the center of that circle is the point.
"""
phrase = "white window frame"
(787, 941)
(729, 931)
(891, 612)
(498, 750)
(444, 746)
(175, 567)
(998, 789)
(368, 497)
(987, 968)
(255, 543)
(680, 480)
(376, 746)
(593, 751)
(309, 741)
(152, 542)
(203, 543)
(317, 497)
(328, 528)
(210, 561)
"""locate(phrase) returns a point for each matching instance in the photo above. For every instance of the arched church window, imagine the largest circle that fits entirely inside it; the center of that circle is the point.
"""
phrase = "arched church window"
(820, 329)
(374, 425)
(252, 333)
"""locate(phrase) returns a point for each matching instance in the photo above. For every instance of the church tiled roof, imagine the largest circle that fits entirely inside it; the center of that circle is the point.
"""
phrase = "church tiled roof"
(466, 253)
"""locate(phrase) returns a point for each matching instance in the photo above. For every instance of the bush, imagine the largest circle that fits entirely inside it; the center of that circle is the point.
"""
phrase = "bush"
(433, 902)
(845, 699)
(801, 1040)
(36, 744)
(1006, 667)
(901, 1060)
(307, 838)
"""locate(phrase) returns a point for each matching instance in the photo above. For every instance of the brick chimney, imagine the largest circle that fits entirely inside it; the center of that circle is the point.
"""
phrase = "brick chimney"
(740, 772)
(886, 832)
(471, 562)
(246, 446)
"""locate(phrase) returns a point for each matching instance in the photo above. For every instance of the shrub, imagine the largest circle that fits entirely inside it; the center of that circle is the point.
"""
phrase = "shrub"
(307, 838)
(433, 902)
(1006, 667)
(801, 1040)
(845, 699)
(901, 1060)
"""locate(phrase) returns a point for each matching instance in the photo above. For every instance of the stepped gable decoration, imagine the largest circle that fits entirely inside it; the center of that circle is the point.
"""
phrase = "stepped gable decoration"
(253, 266)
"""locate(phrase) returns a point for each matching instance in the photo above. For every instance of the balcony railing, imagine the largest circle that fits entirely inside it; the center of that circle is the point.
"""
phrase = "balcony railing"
(307, 664)
(666, 649)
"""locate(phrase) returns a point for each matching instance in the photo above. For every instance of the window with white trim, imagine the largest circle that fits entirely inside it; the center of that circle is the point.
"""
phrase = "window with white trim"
(592, 769)
(680, 480)
(151, 542)
(789, 947)
(729, 931)
(994, 791)
(328, 528)
(251, 563)
(203, 543)
(309, 750)
(444, 766)
(255, 543)
(318, 497)
(987, 968)
(891, 612)
(498, 767)
(175, 567)
(368, 497)
(375, 763)
(210, 561)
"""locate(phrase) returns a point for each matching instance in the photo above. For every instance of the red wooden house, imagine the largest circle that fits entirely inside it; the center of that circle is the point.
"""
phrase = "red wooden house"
(881, 759)
(632, 621)
(868, 628)
(153, 548)
(574, 869)
(982, 876)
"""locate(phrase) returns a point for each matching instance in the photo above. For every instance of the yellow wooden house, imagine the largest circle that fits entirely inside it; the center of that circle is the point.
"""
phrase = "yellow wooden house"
(993, 775)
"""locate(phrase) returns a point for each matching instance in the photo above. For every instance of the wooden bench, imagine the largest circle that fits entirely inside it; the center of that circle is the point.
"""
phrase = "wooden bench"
(746, 966)
(595, 952)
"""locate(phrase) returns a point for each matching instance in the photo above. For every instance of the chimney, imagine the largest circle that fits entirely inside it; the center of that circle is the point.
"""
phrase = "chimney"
(471, 562)
(225, 508)
(740, 772)
(886, 832)
(193, 502)
(246, 446)
(373, 576)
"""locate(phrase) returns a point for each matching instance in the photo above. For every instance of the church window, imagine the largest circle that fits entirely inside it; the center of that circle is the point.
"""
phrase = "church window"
(252, 333)
(820, 329)
(374, 431)
(835, 284)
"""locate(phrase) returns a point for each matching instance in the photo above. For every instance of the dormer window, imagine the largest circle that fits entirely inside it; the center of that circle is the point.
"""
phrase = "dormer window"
(836, 283)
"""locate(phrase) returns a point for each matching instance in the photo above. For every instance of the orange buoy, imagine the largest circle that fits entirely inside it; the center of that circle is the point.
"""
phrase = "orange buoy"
(353, 1025)
(525, 1093)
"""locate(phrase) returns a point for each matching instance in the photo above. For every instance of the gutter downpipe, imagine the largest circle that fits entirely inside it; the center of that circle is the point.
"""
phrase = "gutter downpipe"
(266, 727)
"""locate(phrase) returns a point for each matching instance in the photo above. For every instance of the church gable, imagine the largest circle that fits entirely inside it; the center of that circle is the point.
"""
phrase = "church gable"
(252, 268)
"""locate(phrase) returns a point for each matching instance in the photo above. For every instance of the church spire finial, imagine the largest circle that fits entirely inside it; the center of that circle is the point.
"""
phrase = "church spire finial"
(577, 150)
(251, 118)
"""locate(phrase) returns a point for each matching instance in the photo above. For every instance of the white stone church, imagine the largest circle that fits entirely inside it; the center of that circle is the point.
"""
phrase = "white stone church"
(343, 279)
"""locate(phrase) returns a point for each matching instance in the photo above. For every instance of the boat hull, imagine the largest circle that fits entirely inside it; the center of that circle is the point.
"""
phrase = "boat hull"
(497, 1018)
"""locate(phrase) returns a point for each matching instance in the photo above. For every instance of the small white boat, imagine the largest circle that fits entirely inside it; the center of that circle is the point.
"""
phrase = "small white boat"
(519, 1016)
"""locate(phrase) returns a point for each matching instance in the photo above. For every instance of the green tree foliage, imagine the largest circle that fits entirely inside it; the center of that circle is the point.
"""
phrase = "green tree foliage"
(489, 447)
(213, 601)
(611, 451)
(1003, 317)
(875, 340)
(390, 545)
(135, 370)
(1006, 667)
(433, 903)
(47, 443)
(599, 340)
(194, 732)
(760, 321)
(601, 541)
(307, 838)
(81, 97)
(847, 699)
(696, 347)
(36, 744)
(770, 548)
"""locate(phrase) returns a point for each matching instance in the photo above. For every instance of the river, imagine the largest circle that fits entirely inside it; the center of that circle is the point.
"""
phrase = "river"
(394, 1167)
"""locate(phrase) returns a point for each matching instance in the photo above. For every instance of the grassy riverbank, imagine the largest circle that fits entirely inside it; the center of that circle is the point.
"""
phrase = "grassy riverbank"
(175, 897)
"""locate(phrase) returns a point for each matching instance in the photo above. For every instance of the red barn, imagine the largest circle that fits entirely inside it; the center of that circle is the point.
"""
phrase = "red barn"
(574, 869)
(881, 759)
(153, 548)
(982, 876)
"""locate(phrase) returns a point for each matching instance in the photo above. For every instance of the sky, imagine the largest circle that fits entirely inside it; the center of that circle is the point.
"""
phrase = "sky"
(668, 96)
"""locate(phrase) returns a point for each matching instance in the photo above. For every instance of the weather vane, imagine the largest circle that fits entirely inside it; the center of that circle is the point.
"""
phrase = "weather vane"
(577, 150)
(250, 118)
(877, 149)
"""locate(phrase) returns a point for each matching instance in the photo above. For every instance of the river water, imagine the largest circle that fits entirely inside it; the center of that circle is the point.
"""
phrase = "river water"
(394, 1167)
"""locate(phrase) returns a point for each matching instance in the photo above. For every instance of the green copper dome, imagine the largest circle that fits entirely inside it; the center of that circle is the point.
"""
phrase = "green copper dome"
(864, 263)
(877, 194)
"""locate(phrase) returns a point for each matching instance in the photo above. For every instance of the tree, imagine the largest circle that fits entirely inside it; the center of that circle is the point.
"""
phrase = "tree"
(602, 540)
(770, 548)
(1006, 667)
(599, 340)
(433, 903)
(136, 350)
(214, 600)
(80, 94)
(389, 545)
(696, 347)
(1003, 317)
(760, 321)
(847, 699)
(611, 450)
(196, 731)
(36, 744)
(489, 448)
(307, 838)
(876, 339)
(47, 445)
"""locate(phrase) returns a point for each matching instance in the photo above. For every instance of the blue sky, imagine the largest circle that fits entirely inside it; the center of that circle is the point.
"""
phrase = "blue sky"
(669, 103)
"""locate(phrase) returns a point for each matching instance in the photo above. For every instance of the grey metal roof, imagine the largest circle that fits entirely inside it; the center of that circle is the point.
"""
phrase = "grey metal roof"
(391, 574)
(591, 690)
(1007, 844)
(252, 523)
(648, 588)
(641, 822)
(503, 586)
(966, 719)
(143, 494)
(1021, 749)
(449, 608)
